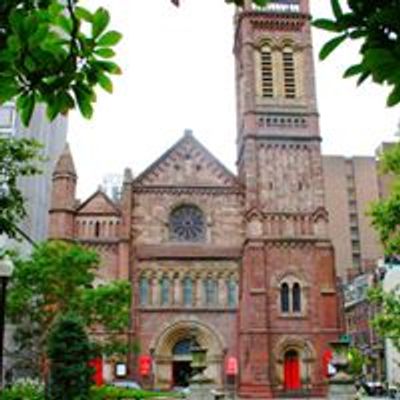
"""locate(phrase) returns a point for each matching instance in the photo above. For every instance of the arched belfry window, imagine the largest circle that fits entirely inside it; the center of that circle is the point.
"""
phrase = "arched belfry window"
(285, 297)
(187, 224)
(296, 296)
(267, 78)
(289, 73)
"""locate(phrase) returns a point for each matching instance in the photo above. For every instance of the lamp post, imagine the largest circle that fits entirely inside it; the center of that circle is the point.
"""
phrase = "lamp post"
(6, 270)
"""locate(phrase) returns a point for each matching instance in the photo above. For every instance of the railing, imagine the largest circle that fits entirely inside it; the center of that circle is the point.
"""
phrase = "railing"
(280, 6)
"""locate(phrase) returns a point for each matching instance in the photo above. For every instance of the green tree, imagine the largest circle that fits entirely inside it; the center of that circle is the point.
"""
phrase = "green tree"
(69, 353)
(386, 220)
(56, 52)
(375, 24)
(18, 158)
(57, 279)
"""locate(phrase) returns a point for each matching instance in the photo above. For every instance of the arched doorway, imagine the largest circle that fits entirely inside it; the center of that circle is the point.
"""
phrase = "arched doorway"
(171, 349)
(292, 370)
(181, 363)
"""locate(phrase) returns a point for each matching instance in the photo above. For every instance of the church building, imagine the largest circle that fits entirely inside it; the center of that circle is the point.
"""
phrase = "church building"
(243, 260)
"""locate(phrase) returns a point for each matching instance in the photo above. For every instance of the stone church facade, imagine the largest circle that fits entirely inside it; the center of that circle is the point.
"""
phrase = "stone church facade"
(244, 260)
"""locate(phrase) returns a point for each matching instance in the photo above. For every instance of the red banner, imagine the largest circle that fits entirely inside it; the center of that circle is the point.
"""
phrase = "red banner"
(144, 365)
(326, 359)
(231, 366)
(97, 365)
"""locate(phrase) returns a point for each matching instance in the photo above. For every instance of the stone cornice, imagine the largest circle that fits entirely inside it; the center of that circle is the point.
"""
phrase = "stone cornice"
(215, 190)
(176, 251)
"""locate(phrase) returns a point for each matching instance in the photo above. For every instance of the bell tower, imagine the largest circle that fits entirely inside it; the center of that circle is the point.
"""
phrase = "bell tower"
(288, 284)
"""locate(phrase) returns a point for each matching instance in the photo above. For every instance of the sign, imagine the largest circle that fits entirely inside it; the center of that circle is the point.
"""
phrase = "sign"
(231, 366)
(329, 369)
(144, 365)
(120, 370)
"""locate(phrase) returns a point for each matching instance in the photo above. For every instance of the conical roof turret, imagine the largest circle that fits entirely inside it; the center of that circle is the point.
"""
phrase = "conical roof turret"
(65, 163)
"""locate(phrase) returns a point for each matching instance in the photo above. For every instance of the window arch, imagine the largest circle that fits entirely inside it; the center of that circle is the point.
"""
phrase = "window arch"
(210, 292)
(289, 76)
(187, 224)
(267, 77)
(285, 297)
(144, 291)
(187, 292)
(231, 286)
(165, 291)
(296, 297)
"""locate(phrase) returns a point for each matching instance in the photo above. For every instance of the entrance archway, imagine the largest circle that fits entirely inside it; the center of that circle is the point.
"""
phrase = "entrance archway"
(292, 371)
(172, 355)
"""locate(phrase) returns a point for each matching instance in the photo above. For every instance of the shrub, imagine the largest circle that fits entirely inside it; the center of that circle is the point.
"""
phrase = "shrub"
(116, 393)
(24, 389)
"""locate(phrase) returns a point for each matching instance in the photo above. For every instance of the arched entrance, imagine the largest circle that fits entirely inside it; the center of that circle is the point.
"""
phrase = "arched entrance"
(171, 349)
(292, 371)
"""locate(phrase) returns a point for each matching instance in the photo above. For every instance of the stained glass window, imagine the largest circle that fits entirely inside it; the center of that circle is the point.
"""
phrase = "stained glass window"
(232, 292)
(187, 292)
(296, 294)
(165, 288)
(285, 297)
(210, 292)
(187, 224)
(144, 291)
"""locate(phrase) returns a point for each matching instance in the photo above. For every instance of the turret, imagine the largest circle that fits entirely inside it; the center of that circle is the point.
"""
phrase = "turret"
(63, 200)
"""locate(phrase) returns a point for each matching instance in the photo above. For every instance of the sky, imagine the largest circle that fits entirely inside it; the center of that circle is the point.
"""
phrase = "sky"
(178, 73)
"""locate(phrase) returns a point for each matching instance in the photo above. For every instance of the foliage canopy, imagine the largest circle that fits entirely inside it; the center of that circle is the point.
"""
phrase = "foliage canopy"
(57, 279)
(375, 24)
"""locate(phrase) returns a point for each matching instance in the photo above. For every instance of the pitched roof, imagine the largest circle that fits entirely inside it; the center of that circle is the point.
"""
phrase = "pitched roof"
(98, 203)
(187, 163)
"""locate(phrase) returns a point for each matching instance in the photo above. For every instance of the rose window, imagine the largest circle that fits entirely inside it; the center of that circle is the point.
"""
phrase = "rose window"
(187, 224)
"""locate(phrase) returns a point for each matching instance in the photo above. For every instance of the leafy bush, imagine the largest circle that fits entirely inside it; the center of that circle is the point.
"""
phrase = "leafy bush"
(116, 393)
(26, 389)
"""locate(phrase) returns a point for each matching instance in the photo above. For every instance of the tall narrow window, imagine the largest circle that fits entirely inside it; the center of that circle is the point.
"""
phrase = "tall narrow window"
(267, 79)
(289, 75)
(187, 292)
(296, 295)
(165, 289)
(97, 229)
(232, 292)
(285, 297)
(210, 292)
(144, 291)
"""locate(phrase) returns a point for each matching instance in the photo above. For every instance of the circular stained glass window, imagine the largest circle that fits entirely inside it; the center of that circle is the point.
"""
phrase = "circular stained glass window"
(187, 224)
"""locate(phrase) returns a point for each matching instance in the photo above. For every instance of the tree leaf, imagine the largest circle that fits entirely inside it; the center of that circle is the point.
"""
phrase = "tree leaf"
(100, 21)
(27, 108)
(330, 46)
(105, 82)
(394, 97)
(105, 52)
(336, 8)
(353, 70)
(326, 24)
(110, 38)
(84, 14)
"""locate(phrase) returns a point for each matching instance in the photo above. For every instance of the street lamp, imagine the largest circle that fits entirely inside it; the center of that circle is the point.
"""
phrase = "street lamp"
(6, 270)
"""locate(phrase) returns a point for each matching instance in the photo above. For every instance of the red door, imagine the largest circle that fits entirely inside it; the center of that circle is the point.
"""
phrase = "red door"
(97, 365)
(292, 371)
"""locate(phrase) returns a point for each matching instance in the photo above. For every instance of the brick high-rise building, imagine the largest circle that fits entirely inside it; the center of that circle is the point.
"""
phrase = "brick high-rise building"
(242, 261)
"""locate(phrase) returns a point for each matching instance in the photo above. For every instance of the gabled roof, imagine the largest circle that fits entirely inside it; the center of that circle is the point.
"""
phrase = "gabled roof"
(98, 203)
(187, 163)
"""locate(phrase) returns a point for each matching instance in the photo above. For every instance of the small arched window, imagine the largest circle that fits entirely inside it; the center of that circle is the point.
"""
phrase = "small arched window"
(187, 292)
(267, 78)
(285, 297)
(289, 74)
(231, 286)
(296, 296)
(97, 229)
(144, 291)
(210, 292)
(187, 224)
(165, 289)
